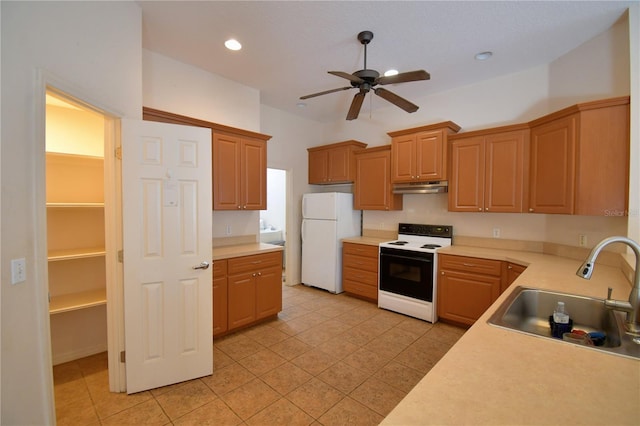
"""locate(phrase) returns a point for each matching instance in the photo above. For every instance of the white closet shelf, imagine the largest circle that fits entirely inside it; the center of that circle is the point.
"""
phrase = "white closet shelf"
(55, 255)
(75, 205)
(75, 301)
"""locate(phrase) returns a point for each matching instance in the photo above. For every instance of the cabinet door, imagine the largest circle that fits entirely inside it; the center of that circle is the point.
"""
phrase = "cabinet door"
(226, 172)
(268, 292)
(373, 189)
(430, 156)
(504, 172)
(513, 271)
(552, 168)
(466, 182)
(339, 164)
(318, 164)
(464, 297)
(219, 305)
(403, 159)
(254, 175)
(242, 299)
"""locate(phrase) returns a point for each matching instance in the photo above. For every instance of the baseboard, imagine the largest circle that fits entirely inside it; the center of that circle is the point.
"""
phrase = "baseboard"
(61, 358)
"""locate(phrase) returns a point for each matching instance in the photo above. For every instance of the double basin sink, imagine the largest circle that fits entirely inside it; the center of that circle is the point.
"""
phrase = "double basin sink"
(527, 310)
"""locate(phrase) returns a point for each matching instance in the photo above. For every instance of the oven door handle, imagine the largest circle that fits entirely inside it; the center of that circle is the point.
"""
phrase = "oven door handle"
(397, 256)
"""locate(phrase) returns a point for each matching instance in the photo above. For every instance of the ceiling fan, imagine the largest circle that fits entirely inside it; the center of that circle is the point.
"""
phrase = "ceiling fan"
(365, 80)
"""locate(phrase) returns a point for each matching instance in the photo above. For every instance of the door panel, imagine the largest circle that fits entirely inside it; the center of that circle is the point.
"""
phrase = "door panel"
(166, 220)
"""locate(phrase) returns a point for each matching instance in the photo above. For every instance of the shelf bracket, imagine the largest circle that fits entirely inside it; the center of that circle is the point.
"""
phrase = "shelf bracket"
(121, 256)
(122, 356)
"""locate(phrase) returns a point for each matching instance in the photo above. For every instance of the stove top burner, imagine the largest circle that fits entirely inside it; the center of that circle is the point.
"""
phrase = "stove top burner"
(431, 246)
(399, 243)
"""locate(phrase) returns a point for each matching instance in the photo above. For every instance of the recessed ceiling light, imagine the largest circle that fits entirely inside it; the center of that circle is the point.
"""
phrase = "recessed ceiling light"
(389, 73)
(483, 56)
(301, 105)
(233, 44)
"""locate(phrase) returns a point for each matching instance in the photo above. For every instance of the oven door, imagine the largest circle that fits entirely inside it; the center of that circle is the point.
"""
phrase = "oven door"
(408, 273)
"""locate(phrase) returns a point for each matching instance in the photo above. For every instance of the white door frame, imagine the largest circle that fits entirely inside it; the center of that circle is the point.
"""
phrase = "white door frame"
(45, 81)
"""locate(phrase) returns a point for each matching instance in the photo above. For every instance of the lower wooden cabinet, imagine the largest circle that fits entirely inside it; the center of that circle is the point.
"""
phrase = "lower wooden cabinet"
(360, 270)
(219, 297)
(511, 271)
(245, 290)
(467, 286)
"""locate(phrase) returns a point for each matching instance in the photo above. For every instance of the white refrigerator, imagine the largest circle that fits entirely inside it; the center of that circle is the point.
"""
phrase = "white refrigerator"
(326, 218)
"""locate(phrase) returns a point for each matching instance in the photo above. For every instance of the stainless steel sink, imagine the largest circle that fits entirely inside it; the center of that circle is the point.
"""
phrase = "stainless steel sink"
(527, 310)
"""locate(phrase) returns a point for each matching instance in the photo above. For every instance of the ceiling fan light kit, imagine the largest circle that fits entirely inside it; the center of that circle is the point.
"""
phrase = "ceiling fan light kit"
(365, 80)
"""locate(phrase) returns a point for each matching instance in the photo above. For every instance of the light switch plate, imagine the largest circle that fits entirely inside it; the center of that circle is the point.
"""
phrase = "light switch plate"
(18, 270)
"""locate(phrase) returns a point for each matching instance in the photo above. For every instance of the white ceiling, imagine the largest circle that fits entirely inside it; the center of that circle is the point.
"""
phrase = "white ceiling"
(288, 46)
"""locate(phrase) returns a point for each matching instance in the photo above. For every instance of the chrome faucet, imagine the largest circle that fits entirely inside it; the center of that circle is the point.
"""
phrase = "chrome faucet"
(632, 307)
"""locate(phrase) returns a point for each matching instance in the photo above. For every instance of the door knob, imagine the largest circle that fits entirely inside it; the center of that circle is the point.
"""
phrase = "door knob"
(203, 265)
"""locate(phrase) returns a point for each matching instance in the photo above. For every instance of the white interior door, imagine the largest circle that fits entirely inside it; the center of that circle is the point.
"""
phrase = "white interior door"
(166, 175)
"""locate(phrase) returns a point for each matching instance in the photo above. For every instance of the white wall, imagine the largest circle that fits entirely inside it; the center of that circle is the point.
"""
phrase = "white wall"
(75, 42)
(634, 172)
(275, 216)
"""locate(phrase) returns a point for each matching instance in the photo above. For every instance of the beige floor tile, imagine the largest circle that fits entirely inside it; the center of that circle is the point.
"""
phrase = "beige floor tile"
(267, 335)
(314, 361)
(415, 358)
(220, 359)
(290, 348)
(80, 410)
(360, 335)
(350, 412)
(445, 333)
(315, 397)
(415, 326)
(238, 346)
(250, 398)
(146, 413)
(378, 396)
(262, 362)
(282, 412)
(316, 335)
(367, 360)
(179, 401)
(214, 413)
(226, 379)
(338, 347)
(69, 391)
(164, 389)
(286, 378)
(69, 371)
(343, 377)
(94, 363)
(399, 376)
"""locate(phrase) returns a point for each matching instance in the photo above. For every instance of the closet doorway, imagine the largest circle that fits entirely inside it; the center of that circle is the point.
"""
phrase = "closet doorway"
(82, 218)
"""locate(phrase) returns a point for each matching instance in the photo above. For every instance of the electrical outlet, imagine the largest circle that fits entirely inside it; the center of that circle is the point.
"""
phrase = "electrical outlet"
(18, 270)
(582, 240)
(228, 230)
(496, 232)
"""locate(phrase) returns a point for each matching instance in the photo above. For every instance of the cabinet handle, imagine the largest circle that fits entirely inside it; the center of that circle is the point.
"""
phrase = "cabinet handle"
(253, 275)
(530, 210)
(442, 273)
(239, 207)
(479, 209)
(256, 262)
(509, 267)
(469, 264)
(259, 274)
(486, 209)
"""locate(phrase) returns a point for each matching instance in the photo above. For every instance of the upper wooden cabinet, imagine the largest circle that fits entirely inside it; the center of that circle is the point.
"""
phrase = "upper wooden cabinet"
(239, 163)
(239, 173)
(334, 163)
(373, 189)
(488, 170)
(580, 159)
(420, 154)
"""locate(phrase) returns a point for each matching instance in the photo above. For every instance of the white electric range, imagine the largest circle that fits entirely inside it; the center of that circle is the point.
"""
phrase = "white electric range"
(407, 270)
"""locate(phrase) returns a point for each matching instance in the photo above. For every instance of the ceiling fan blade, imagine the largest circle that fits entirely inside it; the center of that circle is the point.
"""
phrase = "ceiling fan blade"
(325, 92)
(404, 77)
(396, 100)
(348, 76)
(356, 104)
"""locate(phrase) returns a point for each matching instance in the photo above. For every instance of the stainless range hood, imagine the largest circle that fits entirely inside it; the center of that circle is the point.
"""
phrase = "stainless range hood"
(438, 187)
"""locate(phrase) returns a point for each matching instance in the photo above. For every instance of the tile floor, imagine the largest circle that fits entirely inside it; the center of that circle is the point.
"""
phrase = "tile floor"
(327, 359)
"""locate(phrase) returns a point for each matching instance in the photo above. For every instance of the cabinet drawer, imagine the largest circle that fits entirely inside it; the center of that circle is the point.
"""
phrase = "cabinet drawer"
(360, 250)
(219, 268)
(364, 290)
(359, 262)
(253, 263)
(365, 277)
(470, 264)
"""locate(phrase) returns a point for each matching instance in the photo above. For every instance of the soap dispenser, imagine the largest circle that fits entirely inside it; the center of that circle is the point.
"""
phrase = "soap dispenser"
(560, 321)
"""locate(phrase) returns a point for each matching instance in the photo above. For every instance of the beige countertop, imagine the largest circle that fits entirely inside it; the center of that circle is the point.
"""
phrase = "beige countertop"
(239, 250)
(370, 241)
(495, 376)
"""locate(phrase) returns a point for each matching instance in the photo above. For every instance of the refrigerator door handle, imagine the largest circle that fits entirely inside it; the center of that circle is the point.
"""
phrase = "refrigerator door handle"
(302, 229)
